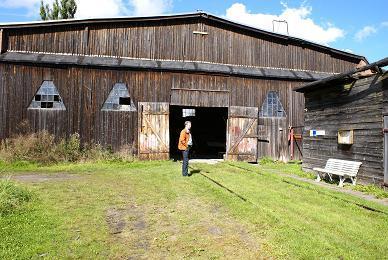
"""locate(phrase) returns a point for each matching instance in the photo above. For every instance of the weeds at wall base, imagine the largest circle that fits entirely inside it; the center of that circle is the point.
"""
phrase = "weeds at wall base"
(43, 149)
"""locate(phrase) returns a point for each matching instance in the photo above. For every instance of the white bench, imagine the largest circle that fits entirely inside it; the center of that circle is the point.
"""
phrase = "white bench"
(342, 168)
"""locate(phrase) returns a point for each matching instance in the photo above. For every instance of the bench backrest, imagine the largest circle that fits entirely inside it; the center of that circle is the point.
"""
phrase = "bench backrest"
(346, 167)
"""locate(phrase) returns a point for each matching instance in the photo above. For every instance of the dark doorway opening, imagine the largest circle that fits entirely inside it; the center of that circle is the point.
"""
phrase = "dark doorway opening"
(208, 131)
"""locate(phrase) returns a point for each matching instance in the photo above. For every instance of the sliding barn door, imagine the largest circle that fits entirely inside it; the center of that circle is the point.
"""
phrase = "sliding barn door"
(242, 134)
(154, 136)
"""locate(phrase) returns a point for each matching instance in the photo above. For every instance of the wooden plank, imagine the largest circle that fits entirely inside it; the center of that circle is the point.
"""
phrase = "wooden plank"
(3, 41)
(85, 40)
(200, 98)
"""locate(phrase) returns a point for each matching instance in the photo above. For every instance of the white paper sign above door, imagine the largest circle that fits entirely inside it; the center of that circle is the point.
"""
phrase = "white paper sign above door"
(317, 132)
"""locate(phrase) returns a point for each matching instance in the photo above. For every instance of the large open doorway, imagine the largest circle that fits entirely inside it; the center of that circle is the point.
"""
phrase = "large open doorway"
(208, 130)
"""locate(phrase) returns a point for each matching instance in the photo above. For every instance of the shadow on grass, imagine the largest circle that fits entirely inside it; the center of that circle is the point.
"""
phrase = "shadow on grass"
(196, 171)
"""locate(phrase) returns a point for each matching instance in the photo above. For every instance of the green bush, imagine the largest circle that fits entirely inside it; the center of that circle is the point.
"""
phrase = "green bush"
(12, 197)
(69, 150)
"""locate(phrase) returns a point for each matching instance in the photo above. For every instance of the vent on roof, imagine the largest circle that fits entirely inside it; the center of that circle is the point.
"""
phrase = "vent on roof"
(47, 97)
(119, 99)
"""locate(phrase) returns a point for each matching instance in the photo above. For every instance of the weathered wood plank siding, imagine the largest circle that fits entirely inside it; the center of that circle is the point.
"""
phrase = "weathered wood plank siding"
(262, 62)
(176, 41)
(357, 106)
(85, 90)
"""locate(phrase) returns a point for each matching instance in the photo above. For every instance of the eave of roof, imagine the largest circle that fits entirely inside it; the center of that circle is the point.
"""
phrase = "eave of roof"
(342, 77)
(157, 65)
(197, 15)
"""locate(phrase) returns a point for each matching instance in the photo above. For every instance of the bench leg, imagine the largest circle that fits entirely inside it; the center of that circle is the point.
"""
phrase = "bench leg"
(318, 177)
(354, 179)
(330, 177)
(341, 182)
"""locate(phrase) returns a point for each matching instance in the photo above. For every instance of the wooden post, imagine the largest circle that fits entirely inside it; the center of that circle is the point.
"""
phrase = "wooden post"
(3, 43)
(292, 142)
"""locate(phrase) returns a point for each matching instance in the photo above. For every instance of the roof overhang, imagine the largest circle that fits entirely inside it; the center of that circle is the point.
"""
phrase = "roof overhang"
(44, 59)
(343, 77)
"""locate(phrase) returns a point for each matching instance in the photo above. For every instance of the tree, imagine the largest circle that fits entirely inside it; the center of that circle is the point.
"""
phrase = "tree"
(65, 10)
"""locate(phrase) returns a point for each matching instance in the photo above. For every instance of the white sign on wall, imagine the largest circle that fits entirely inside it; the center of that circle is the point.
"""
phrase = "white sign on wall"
(317, 132)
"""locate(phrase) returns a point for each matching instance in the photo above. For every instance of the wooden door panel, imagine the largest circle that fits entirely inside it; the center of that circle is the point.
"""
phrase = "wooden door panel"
(242, 134)
(273, 138)
(154, 138)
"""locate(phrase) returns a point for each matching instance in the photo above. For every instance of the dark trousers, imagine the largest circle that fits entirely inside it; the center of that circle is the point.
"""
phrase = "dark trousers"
(185, 165)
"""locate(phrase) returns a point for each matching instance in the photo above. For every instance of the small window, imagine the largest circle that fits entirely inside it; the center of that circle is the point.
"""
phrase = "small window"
(47, 97)
(46, 104)
(126, 101)
(188, 112)
(272, 107)
(119, 99)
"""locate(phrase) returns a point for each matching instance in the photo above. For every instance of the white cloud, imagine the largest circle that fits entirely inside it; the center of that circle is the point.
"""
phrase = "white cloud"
(384, 24)
(365, 32)
(299, 23)
(99, 8)
(150, 7)
(348, 50)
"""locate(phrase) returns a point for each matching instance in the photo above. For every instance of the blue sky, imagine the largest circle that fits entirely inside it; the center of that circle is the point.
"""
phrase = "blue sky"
(352, 25)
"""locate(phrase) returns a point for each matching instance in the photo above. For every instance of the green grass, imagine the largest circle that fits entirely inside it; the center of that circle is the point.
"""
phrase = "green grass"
(12, 197)
(371, 189)
(160, 214)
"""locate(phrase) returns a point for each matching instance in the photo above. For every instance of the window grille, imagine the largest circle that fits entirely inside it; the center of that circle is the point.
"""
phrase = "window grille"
(272, 107)
(119, 99)
(47, 97)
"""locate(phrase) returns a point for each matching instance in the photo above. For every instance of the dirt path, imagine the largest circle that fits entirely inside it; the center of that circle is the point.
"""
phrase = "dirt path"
(159, 231)
(39, 177)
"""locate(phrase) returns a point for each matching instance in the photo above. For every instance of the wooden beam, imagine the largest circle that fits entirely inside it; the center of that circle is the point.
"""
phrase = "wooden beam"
(202, 90)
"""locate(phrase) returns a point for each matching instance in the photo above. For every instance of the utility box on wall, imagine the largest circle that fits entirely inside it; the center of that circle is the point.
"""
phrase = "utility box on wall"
(345, 136)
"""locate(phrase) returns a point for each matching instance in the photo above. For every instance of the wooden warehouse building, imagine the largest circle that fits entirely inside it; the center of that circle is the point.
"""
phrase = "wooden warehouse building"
(134, 81)
(347, 118)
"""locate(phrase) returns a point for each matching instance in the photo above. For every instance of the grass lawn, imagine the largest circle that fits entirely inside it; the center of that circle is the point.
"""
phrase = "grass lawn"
(147, 210)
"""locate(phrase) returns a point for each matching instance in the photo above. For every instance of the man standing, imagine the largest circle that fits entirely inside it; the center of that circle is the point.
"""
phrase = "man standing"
(184, 145)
